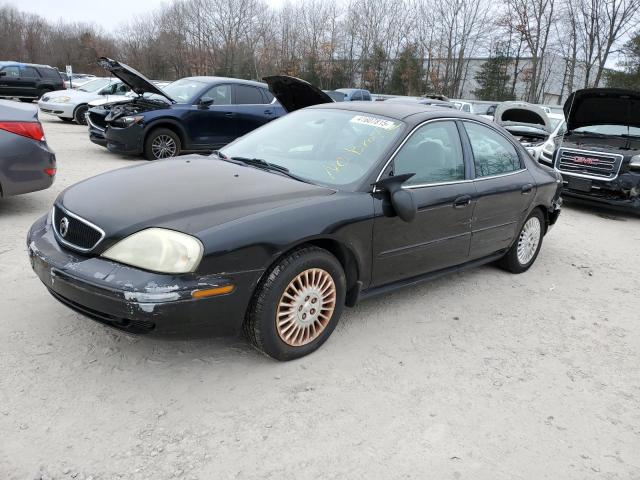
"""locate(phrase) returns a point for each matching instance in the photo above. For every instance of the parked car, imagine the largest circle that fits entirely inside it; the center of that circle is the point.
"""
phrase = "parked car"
(429, 102)
(72, 105)
(600, 153)
(27, 81)
(292, 222)
(355, 94)
(195, 114)
(99, 109)
(463, 106)
(335, 95)
(528, 123)
(485, 110)
(27, 164)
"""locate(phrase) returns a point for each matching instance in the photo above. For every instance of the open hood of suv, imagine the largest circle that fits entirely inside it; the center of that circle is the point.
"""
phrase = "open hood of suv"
(138, 82)
(602, 106)
(522, 114)
(294, 93)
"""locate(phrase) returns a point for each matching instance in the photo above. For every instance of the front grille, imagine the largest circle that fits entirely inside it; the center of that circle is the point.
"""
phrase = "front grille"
(78, 234)
(97, 120)
(583, 163)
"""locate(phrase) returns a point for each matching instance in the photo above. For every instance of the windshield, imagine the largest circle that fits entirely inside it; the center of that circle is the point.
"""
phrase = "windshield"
(328, 147)
(617, 130)
(184, 90)
(95, 85)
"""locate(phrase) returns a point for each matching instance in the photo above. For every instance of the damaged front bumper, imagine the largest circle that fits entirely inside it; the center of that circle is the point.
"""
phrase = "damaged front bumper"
(136, 300)
(623, 192)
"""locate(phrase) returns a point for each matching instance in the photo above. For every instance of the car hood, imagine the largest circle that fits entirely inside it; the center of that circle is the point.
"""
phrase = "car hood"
(602, 106)
(189, 194)
(110, 99)
(138, 82)
(294, 93)
(522, 114)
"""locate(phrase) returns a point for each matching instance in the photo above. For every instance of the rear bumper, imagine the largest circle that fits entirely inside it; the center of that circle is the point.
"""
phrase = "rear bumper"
(23, 167)
(127, 140)
(136, 300)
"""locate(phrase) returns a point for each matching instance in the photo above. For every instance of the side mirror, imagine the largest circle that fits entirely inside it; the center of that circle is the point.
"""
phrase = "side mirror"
(401, 200)
(205, 102)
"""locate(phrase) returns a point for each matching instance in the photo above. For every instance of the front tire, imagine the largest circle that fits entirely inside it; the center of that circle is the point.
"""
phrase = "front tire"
(524, 251)
(162, 143)
(79, 114)
(298, 305)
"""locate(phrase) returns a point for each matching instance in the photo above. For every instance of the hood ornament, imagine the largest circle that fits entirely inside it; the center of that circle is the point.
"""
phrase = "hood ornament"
(64, 227)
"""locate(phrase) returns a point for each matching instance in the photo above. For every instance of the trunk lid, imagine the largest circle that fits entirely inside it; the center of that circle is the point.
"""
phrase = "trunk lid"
(294, 93)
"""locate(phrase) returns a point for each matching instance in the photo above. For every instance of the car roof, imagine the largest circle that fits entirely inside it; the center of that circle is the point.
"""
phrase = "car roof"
(398, 111)
(23, 64)
(211, 79)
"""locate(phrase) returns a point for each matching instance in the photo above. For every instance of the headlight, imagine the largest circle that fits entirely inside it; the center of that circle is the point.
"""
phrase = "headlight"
(159, 250)
(128, 121)
(60, 100)
(635, 162)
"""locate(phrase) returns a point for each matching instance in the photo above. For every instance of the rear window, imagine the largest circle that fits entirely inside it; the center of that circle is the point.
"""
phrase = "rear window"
(29, 72)
(246, 95)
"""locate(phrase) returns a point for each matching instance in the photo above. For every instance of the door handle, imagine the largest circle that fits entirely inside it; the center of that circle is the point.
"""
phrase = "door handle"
(228, 114)
(526, 188)
(268, 112)
(462, 201)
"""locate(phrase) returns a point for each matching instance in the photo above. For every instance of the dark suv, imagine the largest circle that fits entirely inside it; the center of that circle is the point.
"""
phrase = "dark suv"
(27, 81)
(193, 114)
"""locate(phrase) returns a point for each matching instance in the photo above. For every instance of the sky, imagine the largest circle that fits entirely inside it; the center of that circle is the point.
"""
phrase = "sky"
(109, 15)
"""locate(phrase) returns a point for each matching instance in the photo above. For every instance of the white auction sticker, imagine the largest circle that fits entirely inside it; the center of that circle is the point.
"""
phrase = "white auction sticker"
(374, 122)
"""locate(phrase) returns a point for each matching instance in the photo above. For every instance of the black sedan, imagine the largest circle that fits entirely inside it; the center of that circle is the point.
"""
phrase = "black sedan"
(27, 164)
(283, 228)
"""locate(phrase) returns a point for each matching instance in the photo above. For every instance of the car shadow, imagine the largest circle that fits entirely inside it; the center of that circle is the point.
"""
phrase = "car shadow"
(603, 211)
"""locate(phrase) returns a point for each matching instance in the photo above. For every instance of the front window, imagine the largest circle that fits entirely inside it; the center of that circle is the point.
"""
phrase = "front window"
(328, 147)
(95, 85)
(184, 90)
(433, 153)
(614, 130)
(492, 153)
(11, 71)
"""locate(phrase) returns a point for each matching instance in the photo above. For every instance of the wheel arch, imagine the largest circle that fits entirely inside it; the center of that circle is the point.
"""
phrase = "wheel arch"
(170, 124)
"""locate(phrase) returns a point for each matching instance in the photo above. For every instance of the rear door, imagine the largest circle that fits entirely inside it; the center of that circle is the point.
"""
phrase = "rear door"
(444, 193)
(252, 110)
(29, 79)
(504, 189)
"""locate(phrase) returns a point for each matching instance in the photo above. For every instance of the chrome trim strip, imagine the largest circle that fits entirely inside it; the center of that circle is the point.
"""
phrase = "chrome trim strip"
(588, 152)
(77, 217)
(423, 185)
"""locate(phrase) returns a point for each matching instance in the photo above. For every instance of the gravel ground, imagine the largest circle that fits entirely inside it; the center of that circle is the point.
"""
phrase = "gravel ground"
(479, 375)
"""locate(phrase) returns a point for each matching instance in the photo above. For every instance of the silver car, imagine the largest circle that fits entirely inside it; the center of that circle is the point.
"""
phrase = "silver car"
(71, 105)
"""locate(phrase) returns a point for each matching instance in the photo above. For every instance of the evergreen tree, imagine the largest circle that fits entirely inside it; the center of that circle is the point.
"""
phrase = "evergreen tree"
(405, 78)
(493, 79)
(629, 77)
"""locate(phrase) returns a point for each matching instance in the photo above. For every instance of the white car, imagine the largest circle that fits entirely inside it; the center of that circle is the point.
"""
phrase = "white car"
(463, 106)
(70, 105)
(544, 153)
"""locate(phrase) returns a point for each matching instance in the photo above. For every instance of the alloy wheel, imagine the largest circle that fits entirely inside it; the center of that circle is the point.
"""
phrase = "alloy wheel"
(529, 240)
(163, 146)
(306, 307)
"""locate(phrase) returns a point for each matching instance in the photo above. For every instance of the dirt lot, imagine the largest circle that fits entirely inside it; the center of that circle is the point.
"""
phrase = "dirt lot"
(480, 375)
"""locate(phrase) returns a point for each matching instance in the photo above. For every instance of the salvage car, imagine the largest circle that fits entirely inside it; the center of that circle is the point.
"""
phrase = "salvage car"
(193, 114)
(280, 230)
(72, 104)
(600, 153)
(429, 102)
(27, 164)
(527, 122)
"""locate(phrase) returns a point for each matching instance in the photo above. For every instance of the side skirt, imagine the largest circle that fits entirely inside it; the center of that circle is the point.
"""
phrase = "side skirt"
(427, 277)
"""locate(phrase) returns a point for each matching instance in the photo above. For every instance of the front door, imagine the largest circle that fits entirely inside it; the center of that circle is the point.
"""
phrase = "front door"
(212, 126)
(10, 82)
(504, 187)
(439, 236)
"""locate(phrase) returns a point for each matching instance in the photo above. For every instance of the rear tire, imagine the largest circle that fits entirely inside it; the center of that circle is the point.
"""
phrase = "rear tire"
(79, 114)
(162, 143)
(525, 249)
(298, 304)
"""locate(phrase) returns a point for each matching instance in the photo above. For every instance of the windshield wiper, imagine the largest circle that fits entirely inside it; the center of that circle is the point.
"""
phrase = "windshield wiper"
(260, 163)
